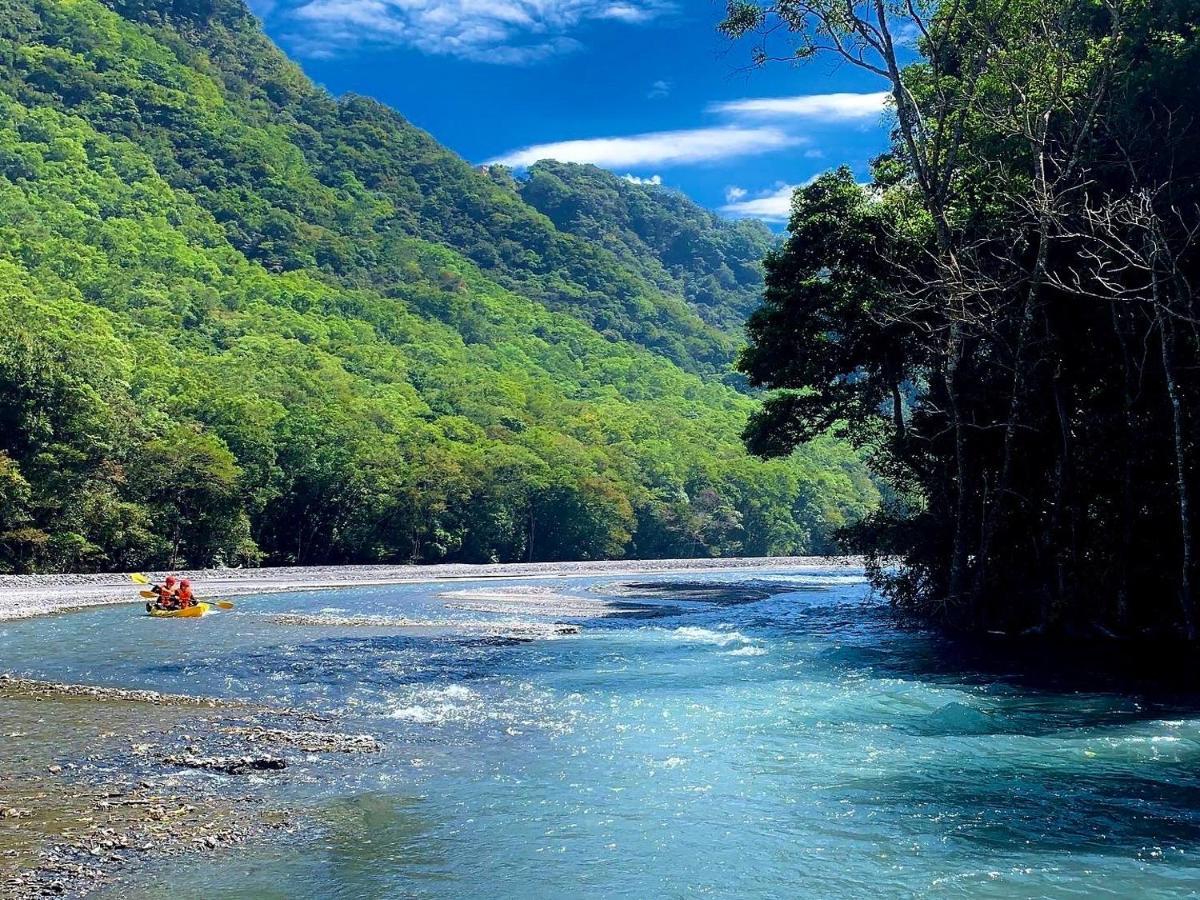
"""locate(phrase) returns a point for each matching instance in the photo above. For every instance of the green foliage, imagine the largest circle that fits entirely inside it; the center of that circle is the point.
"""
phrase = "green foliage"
(830, 333)
(715, 265)
(241, 321)
(1020, 279)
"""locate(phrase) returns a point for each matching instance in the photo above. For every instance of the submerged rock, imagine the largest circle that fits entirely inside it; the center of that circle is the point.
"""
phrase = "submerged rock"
(31, 687)
(957, 718)
(230, 765)
(519, 630)
(541, 601)
(322, 620)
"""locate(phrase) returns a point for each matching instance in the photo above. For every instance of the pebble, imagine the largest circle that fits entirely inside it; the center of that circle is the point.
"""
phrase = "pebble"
(309, 741)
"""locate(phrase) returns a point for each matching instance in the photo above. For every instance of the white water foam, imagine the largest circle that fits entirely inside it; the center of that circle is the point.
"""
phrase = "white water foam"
(708, 636)
(436, 705)
(748, 650)
(726, 636)
(424, 715)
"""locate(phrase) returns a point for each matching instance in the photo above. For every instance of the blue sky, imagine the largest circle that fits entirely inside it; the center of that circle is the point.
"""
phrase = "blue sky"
(646, 88)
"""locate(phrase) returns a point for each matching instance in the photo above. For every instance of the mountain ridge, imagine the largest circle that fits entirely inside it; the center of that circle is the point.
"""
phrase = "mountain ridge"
(235, 333)
(713, 263)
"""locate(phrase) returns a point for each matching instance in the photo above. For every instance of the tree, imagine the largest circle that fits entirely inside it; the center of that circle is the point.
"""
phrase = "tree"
(1054, 235)
(189, 479)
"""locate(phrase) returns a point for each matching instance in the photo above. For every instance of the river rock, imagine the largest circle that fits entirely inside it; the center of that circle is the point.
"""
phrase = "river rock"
(308, 741)
(230, 765)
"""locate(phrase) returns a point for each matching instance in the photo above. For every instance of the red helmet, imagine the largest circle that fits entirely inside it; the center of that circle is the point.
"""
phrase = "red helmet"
(170, 580)
(185, 583)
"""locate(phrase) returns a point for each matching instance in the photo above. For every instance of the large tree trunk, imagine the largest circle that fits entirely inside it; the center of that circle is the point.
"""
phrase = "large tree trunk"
(1165, 334)
(992, 513)
(1121, 596)
(958, 558)
(897, 411)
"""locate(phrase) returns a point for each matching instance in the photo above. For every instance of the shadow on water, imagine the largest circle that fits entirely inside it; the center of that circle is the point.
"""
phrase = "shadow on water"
(1071, 811)
(624, 609)
(1069, 749)
(349, 662)
(869, 637)
(709, 592)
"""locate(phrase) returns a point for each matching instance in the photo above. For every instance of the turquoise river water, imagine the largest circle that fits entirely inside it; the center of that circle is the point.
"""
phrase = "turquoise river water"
(767, 734)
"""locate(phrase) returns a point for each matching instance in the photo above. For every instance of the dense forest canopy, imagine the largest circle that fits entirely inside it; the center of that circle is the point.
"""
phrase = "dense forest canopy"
(713, 263)
(1006, 313)
(242, 321)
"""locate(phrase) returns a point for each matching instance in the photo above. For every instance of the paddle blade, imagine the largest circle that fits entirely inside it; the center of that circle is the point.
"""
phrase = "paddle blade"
(223, 604)
(149, 595)
(139, 578)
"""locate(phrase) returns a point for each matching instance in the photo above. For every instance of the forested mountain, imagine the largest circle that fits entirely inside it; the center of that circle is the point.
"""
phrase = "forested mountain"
(300, 180)
(673, 242)
(243, 321)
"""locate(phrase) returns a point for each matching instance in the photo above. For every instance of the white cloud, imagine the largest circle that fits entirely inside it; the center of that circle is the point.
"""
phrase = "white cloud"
(653, 179)
(657, 148)
(659, 89)
(907, 35)
(733, 193)
(508, 32)
(633, 13)
(818, 107)
(774, 206)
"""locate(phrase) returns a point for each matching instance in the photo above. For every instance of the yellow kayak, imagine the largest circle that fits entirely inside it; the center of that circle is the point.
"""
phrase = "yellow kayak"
(192, 612)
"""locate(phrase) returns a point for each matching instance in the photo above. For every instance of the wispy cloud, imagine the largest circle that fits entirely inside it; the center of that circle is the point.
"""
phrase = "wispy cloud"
(774, 205)
(659, 90)
(657, 148)
(633, 13)
(506, 32)
(653, 179)
(842, 107)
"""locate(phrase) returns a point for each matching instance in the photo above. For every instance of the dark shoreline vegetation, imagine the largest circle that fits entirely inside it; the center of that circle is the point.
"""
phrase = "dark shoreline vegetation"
(244, 322)
(1005, 315)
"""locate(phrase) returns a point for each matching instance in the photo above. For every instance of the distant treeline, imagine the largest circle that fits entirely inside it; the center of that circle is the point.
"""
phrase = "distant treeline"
(243, 322)
(1008, 311)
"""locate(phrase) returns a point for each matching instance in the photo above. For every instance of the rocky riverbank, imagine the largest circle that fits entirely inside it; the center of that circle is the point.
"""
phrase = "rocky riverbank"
(33, 595)
(99, 780)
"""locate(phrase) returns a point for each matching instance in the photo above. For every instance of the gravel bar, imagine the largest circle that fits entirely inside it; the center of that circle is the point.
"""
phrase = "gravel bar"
(23, 596)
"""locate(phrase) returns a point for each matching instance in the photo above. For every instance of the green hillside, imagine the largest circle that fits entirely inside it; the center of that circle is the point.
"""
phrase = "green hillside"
(671, 241)
(302, 181)
(241, 321)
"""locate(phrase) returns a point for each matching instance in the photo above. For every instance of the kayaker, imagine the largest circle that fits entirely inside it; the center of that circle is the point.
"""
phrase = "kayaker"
(167, 593)
(185, 596)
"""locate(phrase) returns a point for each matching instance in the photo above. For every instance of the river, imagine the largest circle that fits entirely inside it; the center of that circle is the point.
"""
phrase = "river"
(750, 734)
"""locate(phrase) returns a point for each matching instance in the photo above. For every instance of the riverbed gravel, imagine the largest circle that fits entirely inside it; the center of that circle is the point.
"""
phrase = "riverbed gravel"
(22, 596)
(75, 817)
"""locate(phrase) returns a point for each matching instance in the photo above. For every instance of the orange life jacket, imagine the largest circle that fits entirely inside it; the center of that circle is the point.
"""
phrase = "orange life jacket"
(186, 597)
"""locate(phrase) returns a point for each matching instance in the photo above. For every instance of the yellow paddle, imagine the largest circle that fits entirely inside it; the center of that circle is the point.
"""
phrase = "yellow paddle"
(139, 578)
